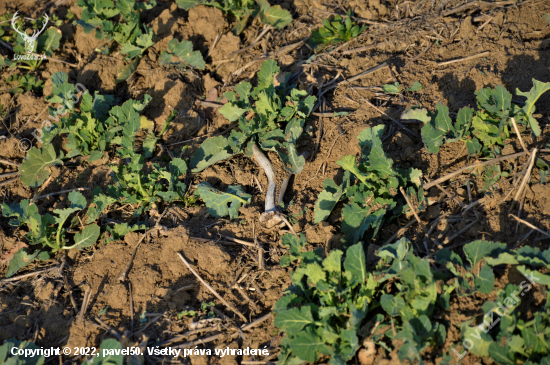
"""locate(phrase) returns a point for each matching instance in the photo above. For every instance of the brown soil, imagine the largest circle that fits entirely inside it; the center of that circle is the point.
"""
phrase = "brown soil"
(40, 307)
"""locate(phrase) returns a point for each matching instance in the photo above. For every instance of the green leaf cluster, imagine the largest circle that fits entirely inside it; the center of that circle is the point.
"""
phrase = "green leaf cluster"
(338, 30)
(135, 38)
(395, 87)
(134, 186)
(26, 83)
(402, 294)
(217, 202)
(371, 188)
(183, 51)
(96, 126)
(322, 310)
(272, 116)
(119, 230)
(514, 339)
(484, 130)
(48, 230)
(244, 10)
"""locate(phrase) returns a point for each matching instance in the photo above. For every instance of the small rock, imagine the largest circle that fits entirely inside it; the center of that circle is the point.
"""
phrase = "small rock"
(508, 150)
(23, 322)
(403, 140)
(433, 212)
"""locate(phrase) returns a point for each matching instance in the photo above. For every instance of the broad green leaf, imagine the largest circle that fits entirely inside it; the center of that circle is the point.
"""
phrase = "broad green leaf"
(329, 197)
(348, 163)
(243, 89)
(49, 41)
(131, 50)
(473, 146)
(408, 352)
(534, 276)
(19, 260)
(101, 201)
(397, 250)
(307, 345)
(292, 162)
(187, 4)
(149, 145)
(265, 76)
(478, 250)
(370, 138)
(119, 230)
(416, 114)
(231, 111)
(502, 258)
(294, 320)
(463, 120)
(333, 262)
(485, 281)
(184, 51)
(217, 202)
(500, 354)
(35, 169)
(62, 91)
(87, 237)
(95, 155)
(295, 243)
(211, 151)
(77, 200)
(441, 120)
(471, 334)
(432, 137)
(355, 263)
(315, 273)
(532, 96)
(357, 220)
(393, 305)
(23, 211)
(128, 70)
(379, 163)
(276, 17)
(113, 357)
(417, 86)
(391, 88)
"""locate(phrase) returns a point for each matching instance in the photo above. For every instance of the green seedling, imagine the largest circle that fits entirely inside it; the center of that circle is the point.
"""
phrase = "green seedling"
(134, 186)
(336, 300)
(336, 31)
(395, 88)
(26, 83)
(119, 230)
(244, 10)
(150, 142)
(484, 130)
(276, 116)
(183, 54)
(47, 230)
(371, 188)
(217, 202)
(134, 37)
(96, 126)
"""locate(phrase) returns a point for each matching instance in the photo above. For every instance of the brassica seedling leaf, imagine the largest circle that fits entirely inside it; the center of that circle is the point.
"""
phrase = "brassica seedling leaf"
(532, 96)
(221, 204)
(35, 169)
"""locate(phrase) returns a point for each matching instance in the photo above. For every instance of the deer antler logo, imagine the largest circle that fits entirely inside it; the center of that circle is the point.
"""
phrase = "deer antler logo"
(29, 40)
